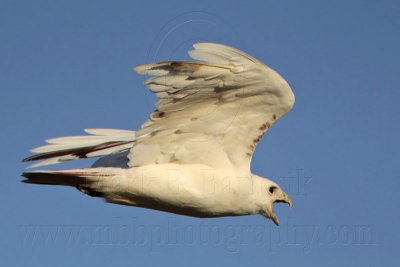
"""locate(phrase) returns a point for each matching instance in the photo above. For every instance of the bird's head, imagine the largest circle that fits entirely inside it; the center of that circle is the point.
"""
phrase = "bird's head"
(272, 193)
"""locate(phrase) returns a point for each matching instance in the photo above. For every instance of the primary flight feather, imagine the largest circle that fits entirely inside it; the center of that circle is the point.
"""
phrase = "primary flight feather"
(193, 155)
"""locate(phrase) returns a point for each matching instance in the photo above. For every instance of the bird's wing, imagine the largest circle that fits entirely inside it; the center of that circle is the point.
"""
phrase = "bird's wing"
(213, 111)
(110, 144)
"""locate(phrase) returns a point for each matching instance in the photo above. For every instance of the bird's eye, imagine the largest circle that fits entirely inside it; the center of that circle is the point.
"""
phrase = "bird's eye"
(272, 189)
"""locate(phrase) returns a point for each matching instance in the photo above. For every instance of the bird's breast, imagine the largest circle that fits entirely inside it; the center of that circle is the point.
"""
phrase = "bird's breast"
(188, 190)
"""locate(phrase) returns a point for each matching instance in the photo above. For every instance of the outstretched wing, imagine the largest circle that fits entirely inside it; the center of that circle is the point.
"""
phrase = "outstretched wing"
(213, 111)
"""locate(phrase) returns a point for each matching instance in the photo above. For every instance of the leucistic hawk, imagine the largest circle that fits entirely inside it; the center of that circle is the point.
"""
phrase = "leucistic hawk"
(192, 156)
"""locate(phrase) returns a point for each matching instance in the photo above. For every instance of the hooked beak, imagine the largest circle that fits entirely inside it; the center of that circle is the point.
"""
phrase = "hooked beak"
(286, 199)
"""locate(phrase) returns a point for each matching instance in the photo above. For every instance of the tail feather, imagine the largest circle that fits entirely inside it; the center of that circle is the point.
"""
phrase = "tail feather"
(70, 177)
(90, 181)
(53, 179)
(100, 142)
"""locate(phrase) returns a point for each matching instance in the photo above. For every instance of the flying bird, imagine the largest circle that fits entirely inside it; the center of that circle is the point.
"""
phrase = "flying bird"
(192, 156)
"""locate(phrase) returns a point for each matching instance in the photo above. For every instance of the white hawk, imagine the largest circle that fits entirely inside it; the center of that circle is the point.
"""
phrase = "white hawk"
(192, 157)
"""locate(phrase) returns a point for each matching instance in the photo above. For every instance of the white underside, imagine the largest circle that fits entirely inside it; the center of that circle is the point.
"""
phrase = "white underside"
(195, 190)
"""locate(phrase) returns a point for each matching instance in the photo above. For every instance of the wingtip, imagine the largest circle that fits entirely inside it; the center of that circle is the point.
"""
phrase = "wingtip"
(28, 159)
(198, 44)
(138, 69)
(31, 158)
(145, 69)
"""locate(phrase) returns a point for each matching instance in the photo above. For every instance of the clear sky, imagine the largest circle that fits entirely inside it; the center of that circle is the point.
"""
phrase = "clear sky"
(66, 66)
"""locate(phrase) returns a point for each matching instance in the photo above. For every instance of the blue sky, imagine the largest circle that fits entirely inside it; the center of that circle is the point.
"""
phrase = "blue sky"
(66, 66)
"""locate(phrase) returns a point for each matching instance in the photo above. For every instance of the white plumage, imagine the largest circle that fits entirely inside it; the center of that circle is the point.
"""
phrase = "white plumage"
(210, 116)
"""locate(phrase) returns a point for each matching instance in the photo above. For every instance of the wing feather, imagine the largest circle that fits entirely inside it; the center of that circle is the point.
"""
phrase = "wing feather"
(213, 111)
(100, 142)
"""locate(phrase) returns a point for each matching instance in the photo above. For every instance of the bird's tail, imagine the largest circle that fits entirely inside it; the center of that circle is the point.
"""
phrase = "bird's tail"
(91, 181)
(99, 142)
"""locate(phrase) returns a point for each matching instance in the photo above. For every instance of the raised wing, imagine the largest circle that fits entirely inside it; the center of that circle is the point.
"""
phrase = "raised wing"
(211, 112)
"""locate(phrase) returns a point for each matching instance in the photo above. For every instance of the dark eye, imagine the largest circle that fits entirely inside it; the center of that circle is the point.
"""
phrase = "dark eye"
(272, 189)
